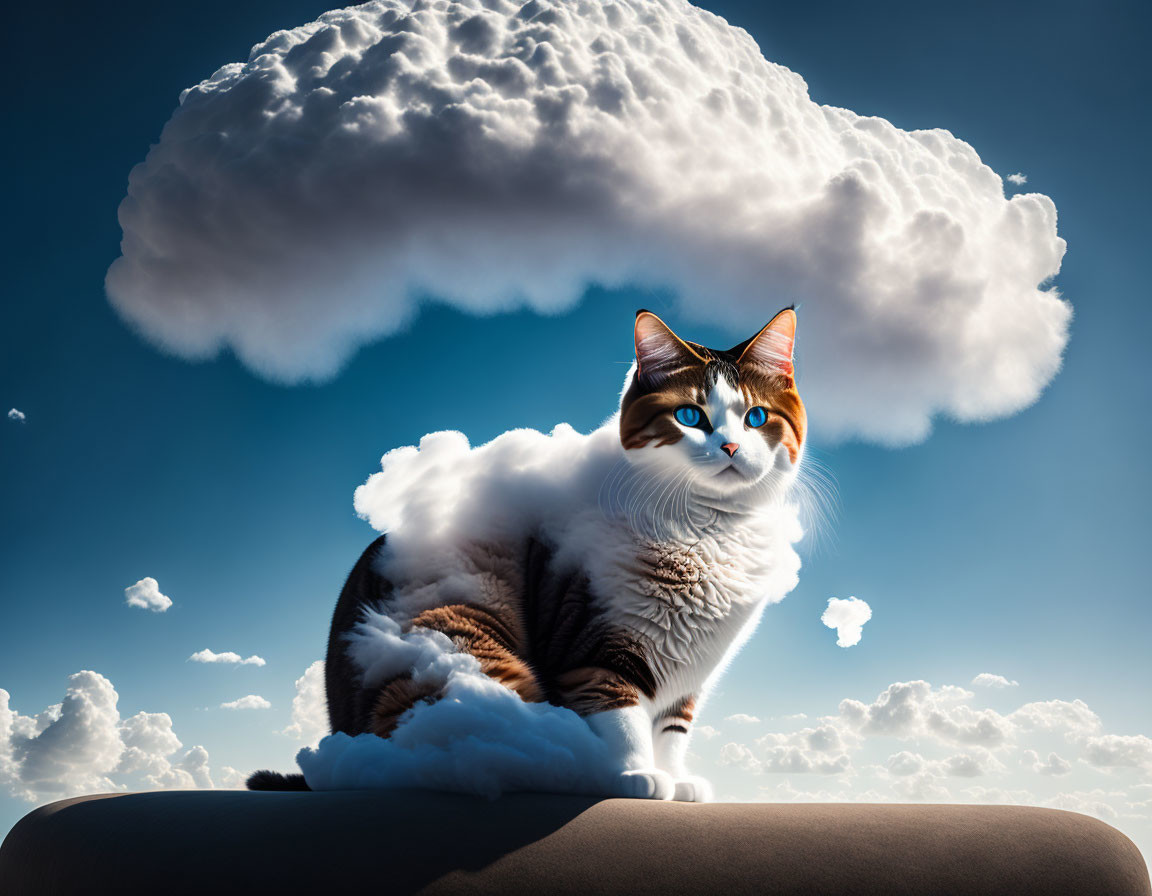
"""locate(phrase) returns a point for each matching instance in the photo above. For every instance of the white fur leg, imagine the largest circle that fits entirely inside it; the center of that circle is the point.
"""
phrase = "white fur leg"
(646, 784)
(669, 748)
(628, 735)
(693, 789)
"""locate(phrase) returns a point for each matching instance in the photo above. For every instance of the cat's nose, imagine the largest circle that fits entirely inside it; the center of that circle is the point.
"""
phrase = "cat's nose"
(729, 448)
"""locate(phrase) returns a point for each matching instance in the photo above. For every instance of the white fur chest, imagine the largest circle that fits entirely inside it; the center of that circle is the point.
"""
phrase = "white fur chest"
(692, 602)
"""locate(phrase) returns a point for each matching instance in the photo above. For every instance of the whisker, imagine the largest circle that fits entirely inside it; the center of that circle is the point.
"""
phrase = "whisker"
(818, 497)
(660, 505)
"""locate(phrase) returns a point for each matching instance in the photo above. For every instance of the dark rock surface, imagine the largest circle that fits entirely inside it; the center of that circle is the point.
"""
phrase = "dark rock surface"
(404, 842)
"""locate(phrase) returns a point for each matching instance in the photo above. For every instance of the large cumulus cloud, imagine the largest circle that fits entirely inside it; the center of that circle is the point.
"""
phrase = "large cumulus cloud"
(82, 745)
(496, 155)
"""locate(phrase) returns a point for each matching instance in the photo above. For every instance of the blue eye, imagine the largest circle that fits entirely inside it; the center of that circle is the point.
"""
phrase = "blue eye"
(756, 417)
(687, 415)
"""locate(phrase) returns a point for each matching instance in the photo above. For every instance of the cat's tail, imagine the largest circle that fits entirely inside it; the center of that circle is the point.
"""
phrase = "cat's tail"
(266, 780)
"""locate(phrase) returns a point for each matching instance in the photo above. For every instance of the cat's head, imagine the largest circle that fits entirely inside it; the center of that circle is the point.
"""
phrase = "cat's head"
(728, 423)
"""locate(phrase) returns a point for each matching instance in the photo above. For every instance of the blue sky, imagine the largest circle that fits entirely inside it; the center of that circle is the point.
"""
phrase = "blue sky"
(1016, 547)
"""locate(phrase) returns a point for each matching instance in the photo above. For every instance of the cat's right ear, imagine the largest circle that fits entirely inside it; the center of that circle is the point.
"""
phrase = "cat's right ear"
(659, 351)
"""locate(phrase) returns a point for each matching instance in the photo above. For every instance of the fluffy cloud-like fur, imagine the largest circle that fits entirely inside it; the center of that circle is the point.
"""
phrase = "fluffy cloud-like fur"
(480, 737)
(498, 155)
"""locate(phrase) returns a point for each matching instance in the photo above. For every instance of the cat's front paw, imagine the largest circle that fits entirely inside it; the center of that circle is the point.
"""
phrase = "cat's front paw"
(646, 784)
(693, 789)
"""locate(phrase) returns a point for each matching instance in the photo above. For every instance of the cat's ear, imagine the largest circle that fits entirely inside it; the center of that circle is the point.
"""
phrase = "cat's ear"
(770, 350)
(659, 351)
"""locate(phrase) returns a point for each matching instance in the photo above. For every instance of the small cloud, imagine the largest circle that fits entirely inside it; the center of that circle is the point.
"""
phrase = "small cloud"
(231, 779)
(818, 750)
(1018, 178)
(1054, 765)
(848, 618)
(252, 701)
(146, 595)
(228, 657)
(742, 718)
(16, 415)
(988, 680)
(1090, 803)
(1119, 751)
(309, 707)
(904, 763)
(705, 731)
(970, 765)
(1073, 718)
(914, 709)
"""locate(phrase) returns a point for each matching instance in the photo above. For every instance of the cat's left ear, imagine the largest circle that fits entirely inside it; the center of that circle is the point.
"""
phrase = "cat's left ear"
(770, 350)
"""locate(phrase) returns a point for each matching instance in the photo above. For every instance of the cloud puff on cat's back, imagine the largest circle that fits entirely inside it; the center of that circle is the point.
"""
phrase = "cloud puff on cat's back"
(498, 155)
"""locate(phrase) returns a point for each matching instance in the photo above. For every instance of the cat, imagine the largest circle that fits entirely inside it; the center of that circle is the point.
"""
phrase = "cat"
(615, 574)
